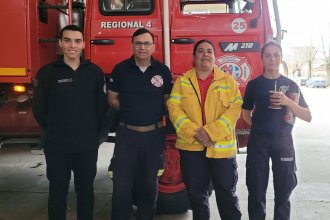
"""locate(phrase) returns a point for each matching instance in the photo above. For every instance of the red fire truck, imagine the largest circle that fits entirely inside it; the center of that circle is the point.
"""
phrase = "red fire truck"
(237, 28)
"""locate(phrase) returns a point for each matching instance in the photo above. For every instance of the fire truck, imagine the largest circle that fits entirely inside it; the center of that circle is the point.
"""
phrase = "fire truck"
(29, 36)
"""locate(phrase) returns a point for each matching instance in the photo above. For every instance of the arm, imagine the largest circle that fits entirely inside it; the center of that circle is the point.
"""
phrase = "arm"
(299, 111)
(168, 85)
(248, 103)
(113, 99)
(247, 117)
(225, 124)
(185, 128)
(166, 96)
(113, 87)
(101, 102)
(39, 101)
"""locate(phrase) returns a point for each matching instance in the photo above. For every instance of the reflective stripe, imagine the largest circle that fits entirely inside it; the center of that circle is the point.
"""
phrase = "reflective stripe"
(175, 97)
(238, 99)
(160, 172)
(180, 122)
(12, 72)
(226, 123)
(184, 82)
(222, 88)
(225, 145)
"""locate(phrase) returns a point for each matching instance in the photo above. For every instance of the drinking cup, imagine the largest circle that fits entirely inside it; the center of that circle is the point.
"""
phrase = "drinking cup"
(273, 105)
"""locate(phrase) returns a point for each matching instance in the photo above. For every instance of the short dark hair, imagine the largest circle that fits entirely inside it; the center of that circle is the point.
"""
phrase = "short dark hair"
(202, 41)
(142, 31)
(270, 43)
(71, 28)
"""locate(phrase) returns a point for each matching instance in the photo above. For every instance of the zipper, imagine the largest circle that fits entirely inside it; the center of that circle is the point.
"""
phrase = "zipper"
(199, 101)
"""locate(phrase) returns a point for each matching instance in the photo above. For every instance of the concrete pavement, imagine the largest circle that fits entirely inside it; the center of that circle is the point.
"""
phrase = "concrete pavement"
(24, 186)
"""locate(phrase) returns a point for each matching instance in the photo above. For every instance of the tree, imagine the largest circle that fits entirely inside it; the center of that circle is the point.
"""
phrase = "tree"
(326, 55)
(300, 56)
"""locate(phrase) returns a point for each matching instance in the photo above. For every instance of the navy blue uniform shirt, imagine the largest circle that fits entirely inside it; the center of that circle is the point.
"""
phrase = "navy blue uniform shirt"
(141, 94)
(256, 98)
(69, 104)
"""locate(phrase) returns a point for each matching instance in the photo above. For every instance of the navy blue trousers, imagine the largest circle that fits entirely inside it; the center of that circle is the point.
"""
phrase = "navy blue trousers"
(136, 151)
(59, 167)
(260, 149)
(199, 172)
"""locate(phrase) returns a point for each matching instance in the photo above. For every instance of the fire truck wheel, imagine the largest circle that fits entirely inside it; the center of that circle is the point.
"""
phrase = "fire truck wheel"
(173, 203)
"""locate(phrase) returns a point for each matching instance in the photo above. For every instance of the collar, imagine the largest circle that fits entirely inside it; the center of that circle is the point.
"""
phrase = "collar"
(218, 74)
(278, 78)
(131, 60)
(60, 62)
(209, 77)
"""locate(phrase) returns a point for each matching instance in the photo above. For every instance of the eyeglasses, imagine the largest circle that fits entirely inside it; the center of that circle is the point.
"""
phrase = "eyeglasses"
(139, 44)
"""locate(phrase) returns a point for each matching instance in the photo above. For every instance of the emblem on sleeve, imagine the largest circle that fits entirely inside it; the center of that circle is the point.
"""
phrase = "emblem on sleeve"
(35, 82)
(157, 81)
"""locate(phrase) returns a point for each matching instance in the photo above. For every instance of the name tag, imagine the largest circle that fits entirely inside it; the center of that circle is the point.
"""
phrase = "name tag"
(65, 80)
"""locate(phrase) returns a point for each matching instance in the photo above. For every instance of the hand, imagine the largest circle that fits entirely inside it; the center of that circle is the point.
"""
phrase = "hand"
(279, 98)
(203, 138)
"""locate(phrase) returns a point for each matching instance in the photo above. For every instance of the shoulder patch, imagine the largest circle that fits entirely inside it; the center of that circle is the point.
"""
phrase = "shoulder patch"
(35, 82)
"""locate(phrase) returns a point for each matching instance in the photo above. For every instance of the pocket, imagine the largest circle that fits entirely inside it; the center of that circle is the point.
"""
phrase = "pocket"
(63, 86)
(187, 92)
(188, 97)
(224, 99)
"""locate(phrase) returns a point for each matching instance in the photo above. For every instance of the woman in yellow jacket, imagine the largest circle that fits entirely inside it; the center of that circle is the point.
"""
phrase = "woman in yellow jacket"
(204, 106)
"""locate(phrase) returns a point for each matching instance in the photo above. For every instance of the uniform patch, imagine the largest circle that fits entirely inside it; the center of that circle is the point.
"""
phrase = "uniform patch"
(283, 89)
(157, 81)
(286, 159)
(65, 80)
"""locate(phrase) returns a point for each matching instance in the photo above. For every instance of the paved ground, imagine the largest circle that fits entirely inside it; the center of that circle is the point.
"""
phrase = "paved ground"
(23, 185)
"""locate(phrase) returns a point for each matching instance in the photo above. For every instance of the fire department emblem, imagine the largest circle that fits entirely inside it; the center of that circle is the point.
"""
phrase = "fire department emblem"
(157, 81)
(238, 67)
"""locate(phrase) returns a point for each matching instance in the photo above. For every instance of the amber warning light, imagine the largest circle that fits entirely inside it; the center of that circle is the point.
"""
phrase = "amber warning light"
(19, 88)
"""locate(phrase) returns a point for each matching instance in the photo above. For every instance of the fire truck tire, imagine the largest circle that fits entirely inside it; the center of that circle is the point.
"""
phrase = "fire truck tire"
(172, 203)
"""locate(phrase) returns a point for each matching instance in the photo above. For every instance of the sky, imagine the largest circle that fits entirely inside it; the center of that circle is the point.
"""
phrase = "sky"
(305, 22)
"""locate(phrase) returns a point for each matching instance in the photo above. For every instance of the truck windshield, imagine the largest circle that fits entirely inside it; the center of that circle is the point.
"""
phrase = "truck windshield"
(125, 6)
(217, 6)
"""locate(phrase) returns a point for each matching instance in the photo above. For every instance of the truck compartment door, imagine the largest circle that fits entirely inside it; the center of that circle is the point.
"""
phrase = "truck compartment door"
(13, 39)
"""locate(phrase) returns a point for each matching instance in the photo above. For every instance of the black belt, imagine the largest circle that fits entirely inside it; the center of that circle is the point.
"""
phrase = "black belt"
(142, 128)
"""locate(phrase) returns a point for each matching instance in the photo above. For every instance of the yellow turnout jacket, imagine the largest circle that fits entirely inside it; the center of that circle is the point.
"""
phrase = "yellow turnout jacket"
(222, 110)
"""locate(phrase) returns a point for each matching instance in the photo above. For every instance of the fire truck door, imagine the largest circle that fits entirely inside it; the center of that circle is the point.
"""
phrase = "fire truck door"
(112, 29)
(229, 28)
(13, 38)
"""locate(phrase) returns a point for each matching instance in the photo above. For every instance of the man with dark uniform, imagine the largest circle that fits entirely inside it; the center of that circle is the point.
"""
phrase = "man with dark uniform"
(69, 101)
(138, 88)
